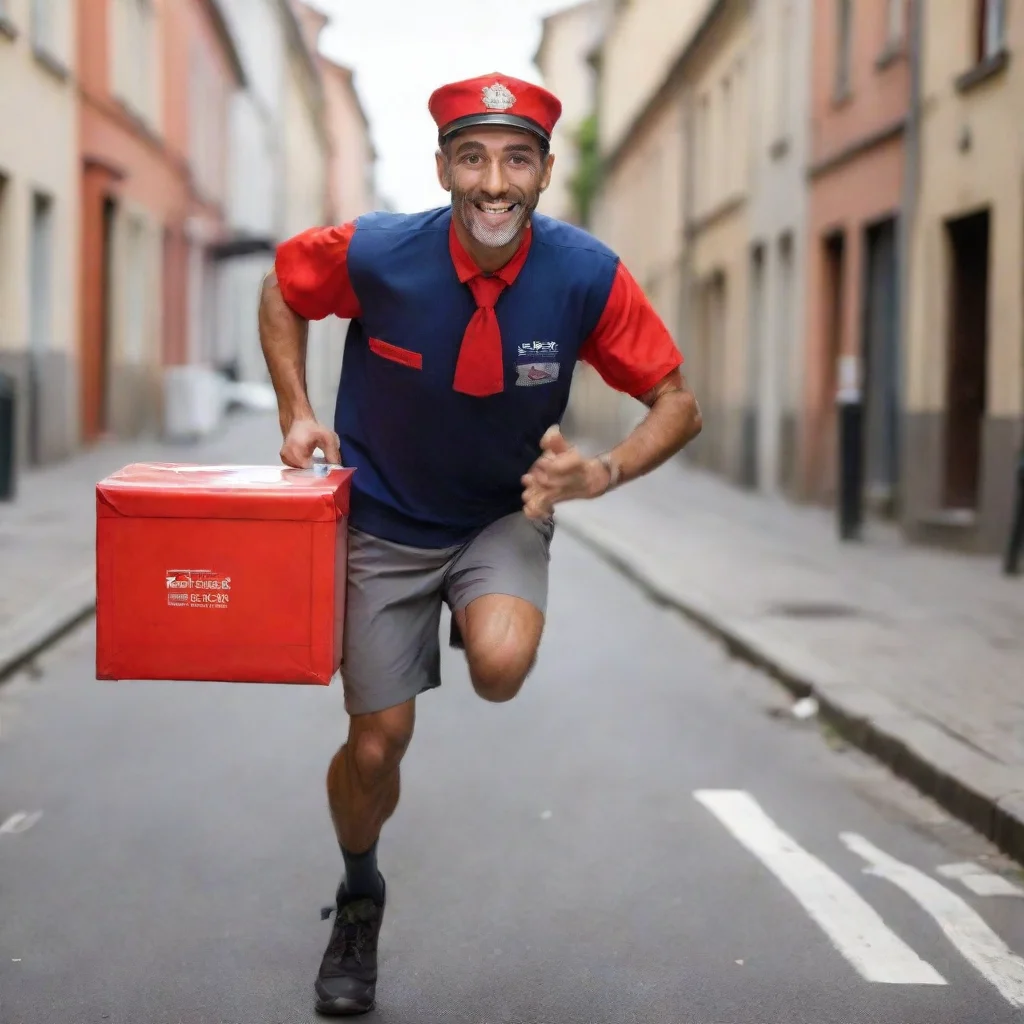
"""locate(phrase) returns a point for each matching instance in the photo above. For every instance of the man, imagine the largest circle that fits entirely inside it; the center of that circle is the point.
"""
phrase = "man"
(467, 322)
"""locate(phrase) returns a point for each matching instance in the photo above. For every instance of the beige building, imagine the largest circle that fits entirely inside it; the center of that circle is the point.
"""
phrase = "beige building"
(965, 365)
(564, 59)
(307, 155)
(640, 208)
(39, 222)
(779, 135)
(717, 69)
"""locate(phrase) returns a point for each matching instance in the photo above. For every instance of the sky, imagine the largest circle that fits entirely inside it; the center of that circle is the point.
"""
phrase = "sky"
(401, 50)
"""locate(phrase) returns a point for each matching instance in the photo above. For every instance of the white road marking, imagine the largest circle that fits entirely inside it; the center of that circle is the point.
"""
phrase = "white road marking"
(962, 925)
(980, 881)
(19, 822)
(854, 928)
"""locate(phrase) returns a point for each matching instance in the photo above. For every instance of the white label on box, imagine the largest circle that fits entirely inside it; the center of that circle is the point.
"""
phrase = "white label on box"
(197, 588)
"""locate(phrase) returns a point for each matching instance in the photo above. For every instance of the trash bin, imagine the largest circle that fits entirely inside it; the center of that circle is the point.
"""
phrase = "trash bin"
(7, 439)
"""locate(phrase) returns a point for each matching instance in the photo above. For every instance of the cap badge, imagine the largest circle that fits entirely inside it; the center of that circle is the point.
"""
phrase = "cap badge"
(497, 97)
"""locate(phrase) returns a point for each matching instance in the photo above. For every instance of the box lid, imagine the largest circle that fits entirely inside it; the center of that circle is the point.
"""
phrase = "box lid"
(181, 490)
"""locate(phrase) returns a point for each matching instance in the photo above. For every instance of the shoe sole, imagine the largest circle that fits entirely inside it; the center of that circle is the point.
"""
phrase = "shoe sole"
(343, 1008)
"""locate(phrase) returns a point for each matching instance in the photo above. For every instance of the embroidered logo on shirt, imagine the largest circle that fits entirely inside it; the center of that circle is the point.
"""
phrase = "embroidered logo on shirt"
(537, 363)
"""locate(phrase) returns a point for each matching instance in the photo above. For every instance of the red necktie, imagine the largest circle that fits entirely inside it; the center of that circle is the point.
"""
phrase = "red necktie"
(480, 368)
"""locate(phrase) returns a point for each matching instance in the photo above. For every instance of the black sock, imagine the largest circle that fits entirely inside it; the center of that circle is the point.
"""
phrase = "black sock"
(361, 875)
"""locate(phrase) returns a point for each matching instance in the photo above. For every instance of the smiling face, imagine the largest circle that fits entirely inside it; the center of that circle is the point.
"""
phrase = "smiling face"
(495, 175)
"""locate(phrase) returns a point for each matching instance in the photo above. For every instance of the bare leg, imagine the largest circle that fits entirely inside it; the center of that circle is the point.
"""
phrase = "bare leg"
(363, 778)
(501, 634)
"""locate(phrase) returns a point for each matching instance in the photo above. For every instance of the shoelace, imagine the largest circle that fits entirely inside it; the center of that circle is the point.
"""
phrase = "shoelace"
(350, 938)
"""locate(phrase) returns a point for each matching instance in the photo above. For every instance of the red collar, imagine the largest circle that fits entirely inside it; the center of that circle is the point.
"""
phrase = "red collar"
(465, 265)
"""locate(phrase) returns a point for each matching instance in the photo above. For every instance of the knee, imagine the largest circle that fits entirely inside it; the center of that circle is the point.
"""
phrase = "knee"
(499, 672)
(376, 748)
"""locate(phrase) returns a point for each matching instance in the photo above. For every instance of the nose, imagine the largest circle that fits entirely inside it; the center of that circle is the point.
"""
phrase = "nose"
(495, 184)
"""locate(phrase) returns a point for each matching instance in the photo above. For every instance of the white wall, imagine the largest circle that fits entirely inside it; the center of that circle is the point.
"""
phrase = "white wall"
(39, 154)
(778, 210)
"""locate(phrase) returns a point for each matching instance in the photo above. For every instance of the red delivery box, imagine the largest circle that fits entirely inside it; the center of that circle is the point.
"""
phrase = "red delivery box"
(221, 573)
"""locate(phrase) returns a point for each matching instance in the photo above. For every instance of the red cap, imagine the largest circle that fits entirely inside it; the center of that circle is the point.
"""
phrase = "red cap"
(495, 99)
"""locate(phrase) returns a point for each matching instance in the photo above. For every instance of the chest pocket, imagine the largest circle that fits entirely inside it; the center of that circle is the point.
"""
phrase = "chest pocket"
(538, 364)
(396, 354)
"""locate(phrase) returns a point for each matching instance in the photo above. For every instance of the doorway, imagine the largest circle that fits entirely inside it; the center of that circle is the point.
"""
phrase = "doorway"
(832, 322)
(106, 315)
(758, 403)
(967, 359)
(880, 352)
(40, 329)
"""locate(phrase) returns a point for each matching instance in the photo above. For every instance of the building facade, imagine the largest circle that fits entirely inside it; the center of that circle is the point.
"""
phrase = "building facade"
(639, 208)
(860, 101)
(256, 176)
(157, 80)
(569, 39)
(718, 73)
(308, 153)
(965, 364)
(39, 212)
(779, 127)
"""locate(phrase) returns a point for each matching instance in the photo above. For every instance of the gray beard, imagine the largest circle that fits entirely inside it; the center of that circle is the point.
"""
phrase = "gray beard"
(493, 239)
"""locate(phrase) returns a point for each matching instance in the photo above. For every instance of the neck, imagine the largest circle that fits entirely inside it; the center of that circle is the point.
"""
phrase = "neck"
(486, 257)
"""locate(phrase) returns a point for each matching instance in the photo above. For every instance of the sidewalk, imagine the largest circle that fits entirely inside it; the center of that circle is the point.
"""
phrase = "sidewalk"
(915, 655)
(47, 534)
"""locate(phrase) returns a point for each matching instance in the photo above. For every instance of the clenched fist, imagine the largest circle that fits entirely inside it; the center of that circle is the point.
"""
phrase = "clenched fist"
(560, 474)
(303, 438)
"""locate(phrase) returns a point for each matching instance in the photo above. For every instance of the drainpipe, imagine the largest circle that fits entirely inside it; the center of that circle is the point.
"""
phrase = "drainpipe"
(908, 209)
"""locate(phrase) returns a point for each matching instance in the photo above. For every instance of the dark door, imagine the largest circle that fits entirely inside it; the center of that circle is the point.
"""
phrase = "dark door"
(967, 364)
(106, 298)
(881, 366)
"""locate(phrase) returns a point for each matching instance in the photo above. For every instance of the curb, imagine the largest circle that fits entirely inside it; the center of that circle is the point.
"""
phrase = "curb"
(984, 794)
(33, 631)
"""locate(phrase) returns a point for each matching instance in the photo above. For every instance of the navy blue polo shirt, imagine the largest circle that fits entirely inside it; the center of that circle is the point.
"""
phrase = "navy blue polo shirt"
(433, 465)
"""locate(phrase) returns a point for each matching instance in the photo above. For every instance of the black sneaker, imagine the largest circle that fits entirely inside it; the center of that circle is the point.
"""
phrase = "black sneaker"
(347, 982)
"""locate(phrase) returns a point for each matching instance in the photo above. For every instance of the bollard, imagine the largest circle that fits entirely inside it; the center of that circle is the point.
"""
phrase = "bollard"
(7, 445)
(849, 428)
(1011, 565)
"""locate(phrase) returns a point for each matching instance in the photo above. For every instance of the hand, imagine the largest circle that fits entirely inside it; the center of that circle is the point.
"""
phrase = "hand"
(560, 474)
(303, 438)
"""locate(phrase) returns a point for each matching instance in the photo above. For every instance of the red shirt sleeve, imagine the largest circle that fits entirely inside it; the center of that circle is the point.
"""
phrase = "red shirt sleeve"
(631, 347)
(312, 272)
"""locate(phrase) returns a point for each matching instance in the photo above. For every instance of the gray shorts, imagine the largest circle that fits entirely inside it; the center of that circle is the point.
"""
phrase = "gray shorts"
(392, 649)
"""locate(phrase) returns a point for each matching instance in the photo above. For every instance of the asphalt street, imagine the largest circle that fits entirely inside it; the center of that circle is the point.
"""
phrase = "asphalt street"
(645, 835)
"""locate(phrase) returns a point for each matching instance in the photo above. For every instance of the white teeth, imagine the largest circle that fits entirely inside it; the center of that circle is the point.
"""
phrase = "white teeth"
(496, 209)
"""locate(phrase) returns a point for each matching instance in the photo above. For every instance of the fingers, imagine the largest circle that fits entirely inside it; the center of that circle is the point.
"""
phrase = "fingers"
(304, 439)
(553, 442)
(292, 456)
(330, 445)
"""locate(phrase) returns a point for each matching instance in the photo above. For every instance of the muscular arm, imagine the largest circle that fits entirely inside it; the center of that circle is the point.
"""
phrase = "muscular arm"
(630, 348)
(673, 421)
(309, 282)
(283, 335)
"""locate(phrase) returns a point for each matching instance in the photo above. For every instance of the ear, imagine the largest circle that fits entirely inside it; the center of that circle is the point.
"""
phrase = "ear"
(442, 171)
(545, 175)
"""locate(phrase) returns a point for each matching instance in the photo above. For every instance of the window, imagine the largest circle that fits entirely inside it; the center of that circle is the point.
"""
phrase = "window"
(991, 29)
(40, 272)
(895, 23)
(135, 56)
(135, 291)
(43, 34)
(844, 47)
(5, 256)
(783, 69)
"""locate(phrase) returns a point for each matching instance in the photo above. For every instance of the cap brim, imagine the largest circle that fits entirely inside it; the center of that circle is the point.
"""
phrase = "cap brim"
(509, 120)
